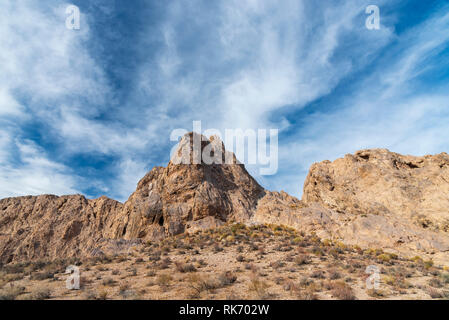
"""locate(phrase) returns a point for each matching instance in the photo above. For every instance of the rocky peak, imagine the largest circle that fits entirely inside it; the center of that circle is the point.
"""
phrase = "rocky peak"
(170, 200)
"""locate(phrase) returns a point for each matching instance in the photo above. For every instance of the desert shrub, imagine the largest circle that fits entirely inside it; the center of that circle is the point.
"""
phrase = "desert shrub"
(445, 277)
(302, 259)
(198, 283)
(11, 292)
(278, 280)
(227, 278)
(15, 268)
(163, 280)
(133, 272)
(384, 257)
(120, 258)
(202, 263)
(102, 268)
(305, 282)
(253, 247)
(115, 272)
(42, 276)
(5, 278)
(434, 293)
(240, 258)
(109, 282)
(318, 251)
(185, 267)
(435, 282)
(166, 248)
(151, 273)
(156, 256)
(342, 291)
(40, 294)
(375, 293)
(277, 264)
(428, 264)
(290, 286)
(90, 295)
(307, 294)
(387, 258)
(165, 263)
(259, 287)
(317, 274)
(334, 274)
(102, 295)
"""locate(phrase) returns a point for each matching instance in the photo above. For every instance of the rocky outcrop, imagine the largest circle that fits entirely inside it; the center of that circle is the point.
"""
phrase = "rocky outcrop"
(170, 200)
(385, 199)
(51, 227)
(380, 182)
(373, 199)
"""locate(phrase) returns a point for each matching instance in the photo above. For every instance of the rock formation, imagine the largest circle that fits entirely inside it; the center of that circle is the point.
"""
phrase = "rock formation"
(48, 226)
(171, 200)
(380, 182)
(374, 198)
(167, 201)
(384, 199)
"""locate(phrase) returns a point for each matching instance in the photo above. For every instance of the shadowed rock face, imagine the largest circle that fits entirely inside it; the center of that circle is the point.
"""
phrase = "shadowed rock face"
(374, 198)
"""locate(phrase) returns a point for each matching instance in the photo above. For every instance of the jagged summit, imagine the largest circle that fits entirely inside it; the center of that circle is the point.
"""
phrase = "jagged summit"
(189, 193)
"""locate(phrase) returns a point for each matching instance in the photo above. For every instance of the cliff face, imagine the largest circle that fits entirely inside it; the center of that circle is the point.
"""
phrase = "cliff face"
(386, 199)
(380, 182)
(374, 198)
(51, 227)
(180, 197)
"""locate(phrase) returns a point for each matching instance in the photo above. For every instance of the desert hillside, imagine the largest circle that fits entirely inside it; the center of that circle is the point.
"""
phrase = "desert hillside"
(231, 262)
(375, 205)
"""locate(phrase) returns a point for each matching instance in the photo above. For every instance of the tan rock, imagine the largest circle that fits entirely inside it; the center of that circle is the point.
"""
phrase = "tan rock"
(169, 199)
(387, 200)
(374, 198)
(53, 227)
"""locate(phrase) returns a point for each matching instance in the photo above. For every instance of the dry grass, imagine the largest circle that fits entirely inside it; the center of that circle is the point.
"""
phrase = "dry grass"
(232, 262)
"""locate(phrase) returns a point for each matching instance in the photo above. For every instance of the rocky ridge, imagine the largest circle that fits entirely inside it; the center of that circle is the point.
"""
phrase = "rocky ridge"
(374, 198)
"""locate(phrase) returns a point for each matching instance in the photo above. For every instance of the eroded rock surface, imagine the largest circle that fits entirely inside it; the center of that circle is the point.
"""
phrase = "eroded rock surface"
(170, 200)
(53, 227)
(386, 199)
(373, 199)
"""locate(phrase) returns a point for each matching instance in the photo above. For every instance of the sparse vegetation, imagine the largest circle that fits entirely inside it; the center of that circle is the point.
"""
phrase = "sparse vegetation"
(230, 262)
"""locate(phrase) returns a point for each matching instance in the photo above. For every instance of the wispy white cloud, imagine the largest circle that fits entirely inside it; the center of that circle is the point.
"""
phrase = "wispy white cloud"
(228, 63)
(44, 66)
(30, 172)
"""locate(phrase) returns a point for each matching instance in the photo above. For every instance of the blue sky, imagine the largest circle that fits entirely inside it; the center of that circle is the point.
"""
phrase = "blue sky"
(91, 111)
